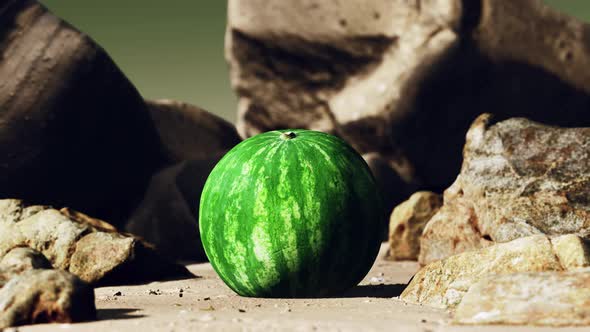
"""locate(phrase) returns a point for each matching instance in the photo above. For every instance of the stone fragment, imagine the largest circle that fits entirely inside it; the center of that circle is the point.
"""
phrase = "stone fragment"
(445, 282)
(74, 131)
(90, 249)
(404, 79)
(45, 296)
(194, 141)
(407, 223)
(519, 178)
(572, 251)
(541, 298)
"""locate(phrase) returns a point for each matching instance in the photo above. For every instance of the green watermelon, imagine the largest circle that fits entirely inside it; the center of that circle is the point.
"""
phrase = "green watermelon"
(291, 213)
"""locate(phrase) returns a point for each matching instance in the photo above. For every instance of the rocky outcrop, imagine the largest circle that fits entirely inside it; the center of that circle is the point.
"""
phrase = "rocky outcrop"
(444, 283)
(98, 255)
(407, 223)
(404, 79)
(545, 299)
(45, 296)
(519, 178)
(75, 132)
(194, 141)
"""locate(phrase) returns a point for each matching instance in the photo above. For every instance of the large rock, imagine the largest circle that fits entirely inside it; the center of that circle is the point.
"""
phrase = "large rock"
(542, 298)
(74, 131)
(168, 214)
(404, 79)
(45, 296)
(407, 223)
(518, 178)
(444, 283)
(188, 132)
(92, 251)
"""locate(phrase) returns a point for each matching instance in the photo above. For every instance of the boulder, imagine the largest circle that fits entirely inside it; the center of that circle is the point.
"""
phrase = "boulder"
(96, 255)
(519, 178)
(168, 214)
(404, 79)
(407, 223)
(541, 298)
(75, 132)
(444, 283)
(188, 132)
(45, 296)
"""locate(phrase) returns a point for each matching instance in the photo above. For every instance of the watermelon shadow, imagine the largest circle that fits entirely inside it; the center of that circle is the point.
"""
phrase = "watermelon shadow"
(377, 291)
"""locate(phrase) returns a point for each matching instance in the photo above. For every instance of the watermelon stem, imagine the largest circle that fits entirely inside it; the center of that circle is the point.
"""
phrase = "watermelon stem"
(288, 135)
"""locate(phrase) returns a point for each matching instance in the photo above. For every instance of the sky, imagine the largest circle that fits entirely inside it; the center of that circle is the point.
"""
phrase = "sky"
(174, 48)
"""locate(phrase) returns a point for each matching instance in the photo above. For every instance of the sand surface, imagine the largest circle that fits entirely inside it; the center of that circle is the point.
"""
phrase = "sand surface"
(205, 303)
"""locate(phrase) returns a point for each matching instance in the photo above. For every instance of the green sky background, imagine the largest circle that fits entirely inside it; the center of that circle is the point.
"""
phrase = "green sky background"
(174, 48)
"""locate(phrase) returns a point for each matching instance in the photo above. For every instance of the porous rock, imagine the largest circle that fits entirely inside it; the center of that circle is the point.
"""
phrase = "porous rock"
(407, 223)
(541, 298)
(519, 178)
(74, 132)
(194, 141)
(98, 255)
(404, 79)
(444, 283)
(45, 296)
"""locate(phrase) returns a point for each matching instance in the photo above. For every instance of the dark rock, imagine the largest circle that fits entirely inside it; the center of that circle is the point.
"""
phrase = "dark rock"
(406, 83)
(46, 296)
(74, 131)
(194, 140)
(519, 178)
(188, 132)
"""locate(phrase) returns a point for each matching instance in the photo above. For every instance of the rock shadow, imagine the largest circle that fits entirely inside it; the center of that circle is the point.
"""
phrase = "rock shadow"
(377, 291)
(117, 313)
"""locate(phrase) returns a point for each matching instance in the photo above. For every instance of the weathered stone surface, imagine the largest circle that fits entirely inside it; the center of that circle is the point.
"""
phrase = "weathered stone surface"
(74, 131)
(518, 178)
(404, 79)
(445, 282)
(90, 249)
(542, 298)
(194, 141)
(45, 296)
(407, 223)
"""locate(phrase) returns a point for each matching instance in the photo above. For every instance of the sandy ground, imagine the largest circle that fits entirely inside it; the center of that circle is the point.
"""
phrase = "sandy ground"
(205, 303)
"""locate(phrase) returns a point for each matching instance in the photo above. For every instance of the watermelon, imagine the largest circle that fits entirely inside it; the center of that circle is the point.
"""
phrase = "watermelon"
(291, 213)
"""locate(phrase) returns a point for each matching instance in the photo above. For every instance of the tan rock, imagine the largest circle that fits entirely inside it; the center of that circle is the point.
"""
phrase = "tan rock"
(452, 230)
(77, 243)
(407, 223)
(45, 296)
(444, 282)
(541, 298)
(405, 79)
(519, 178)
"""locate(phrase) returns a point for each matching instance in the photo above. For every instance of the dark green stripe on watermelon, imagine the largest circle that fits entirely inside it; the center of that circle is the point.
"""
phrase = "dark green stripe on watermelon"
(295, 216)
